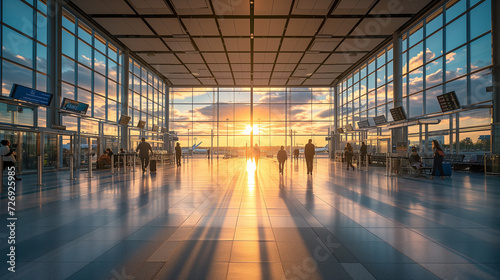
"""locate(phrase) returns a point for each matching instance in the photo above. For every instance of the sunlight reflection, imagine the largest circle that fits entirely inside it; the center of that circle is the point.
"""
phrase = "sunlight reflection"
(251, 167)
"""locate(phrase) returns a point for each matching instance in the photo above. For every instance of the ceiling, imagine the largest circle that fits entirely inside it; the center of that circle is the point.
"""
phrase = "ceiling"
(237, 42)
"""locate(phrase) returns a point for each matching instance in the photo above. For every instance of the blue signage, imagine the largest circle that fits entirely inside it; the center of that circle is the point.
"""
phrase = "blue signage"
(74, 106)
(30, 95)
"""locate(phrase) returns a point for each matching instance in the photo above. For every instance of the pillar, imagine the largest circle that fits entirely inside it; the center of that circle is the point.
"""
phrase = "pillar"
(495, 31)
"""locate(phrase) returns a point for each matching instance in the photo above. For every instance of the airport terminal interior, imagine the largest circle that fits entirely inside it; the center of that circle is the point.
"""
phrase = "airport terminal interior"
(217, 88)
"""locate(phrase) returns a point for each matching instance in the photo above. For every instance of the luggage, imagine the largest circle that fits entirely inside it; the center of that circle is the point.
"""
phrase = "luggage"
(446, 169)
(152, 165)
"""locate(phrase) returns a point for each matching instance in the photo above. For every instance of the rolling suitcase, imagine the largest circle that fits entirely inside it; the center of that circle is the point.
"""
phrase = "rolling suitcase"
(152, 165)
(446, 169)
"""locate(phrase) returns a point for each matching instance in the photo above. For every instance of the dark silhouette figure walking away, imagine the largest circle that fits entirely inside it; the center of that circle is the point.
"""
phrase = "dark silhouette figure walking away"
(178, 154)
(282, 157)
(438, 160)
(363, 152)
(144, 149)
(256, 153)
(309, 152)
(348, 151)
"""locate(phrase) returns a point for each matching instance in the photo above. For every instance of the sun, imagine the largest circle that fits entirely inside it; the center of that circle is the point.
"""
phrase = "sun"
(248, 129)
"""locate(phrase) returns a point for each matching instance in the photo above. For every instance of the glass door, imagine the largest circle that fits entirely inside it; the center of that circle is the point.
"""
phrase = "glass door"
(66, 150)
(89, 144)
(28, 154)
(50, 152)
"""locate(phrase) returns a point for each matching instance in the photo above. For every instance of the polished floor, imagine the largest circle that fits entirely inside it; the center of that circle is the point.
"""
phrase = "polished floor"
(234, 219)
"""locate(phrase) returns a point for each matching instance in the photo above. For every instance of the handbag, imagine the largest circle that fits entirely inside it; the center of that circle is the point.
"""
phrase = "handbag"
(440, 153)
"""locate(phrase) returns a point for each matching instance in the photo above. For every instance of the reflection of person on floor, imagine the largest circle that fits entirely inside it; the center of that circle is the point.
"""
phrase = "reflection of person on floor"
(104, 159)
(8, 157)
(282, 157)
(256, 153)
(178, 154)
(309, 152)
(144, 149)
(348, 151)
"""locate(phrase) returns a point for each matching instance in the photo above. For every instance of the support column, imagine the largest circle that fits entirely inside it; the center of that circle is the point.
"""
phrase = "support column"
(125, 137)
(54, 13)
(167, 117)
(399, 134)
(495, 31)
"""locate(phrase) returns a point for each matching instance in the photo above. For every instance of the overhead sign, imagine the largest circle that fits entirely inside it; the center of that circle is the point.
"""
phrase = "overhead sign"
(141, 124)
(379, 120)
(163, 129)
(448, 101)
(328, 138)
(155, 128)
(398, 114)
(58, 127)
(30, 95)
(124, 120)
(74, 106)
(363, 124)
(340, 130)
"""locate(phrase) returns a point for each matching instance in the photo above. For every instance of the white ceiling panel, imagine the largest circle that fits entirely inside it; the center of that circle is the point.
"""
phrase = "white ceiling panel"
(192, 7)
(104, 7)
(399, 7)
(338, 27)
(303, 26)
(288, 57)
(318, 81)
(295, 44)
(262, 67)
(231, 7)
(208, 82)
(330, 68)
(262, 75)
(266, 44)
(312, 7)
(149, 7)
(234, 27)
(190, 58)
(284, 67)
(159, 58)
(219, 67)
(281, 75)
(225, 82)
(179, 45)
(295, 82)
(379, 26)
(314, 57)
(241, 67)
(237, 44)
(269, 27)
(209, 44)
(201, 26)
(215, 57)
(359, 44)
(141, 44)
(353, 7)
(185, 82)
(201, 69)
(223, 75)
(264, 57)
(242, 75)
(122, 26)
(166, 26)
(272, 7)
(324, 45)
(278, 82)
(344, 58)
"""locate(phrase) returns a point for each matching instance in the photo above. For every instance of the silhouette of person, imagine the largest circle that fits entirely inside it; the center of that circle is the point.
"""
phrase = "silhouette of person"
(8, 157)
(144, 149)
(208, 153)
(178, 154)
(348, 151)
(282, 157)
(363, 151)
(296, 153)
(256, 153)
(438, 160)
(309, 152)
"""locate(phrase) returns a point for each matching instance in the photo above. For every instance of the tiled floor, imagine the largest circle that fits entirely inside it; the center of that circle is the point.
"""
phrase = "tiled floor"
(230, 219)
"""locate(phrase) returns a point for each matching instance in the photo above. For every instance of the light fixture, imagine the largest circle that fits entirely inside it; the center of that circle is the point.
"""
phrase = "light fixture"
(251, 2)
(195, 74)
(435, 121)
(251, 36)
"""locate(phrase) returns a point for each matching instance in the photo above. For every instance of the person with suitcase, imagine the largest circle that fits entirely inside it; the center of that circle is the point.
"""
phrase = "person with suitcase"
(144, 149)
(438, 160)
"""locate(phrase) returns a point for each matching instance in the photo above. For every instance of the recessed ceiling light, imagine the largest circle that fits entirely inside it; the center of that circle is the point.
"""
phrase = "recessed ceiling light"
(195, 74)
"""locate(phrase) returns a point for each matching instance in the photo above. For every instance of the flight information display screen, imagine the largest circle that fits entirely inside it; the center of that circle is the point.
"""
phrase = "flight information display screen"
(398, 114)
(380, 120)
(448, 101)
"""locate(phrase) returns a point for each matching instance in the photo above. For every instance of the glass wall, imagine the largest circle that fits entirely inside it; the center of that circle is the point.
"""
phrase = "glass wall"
(147, 101)
(278, 113)
(448, 50)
